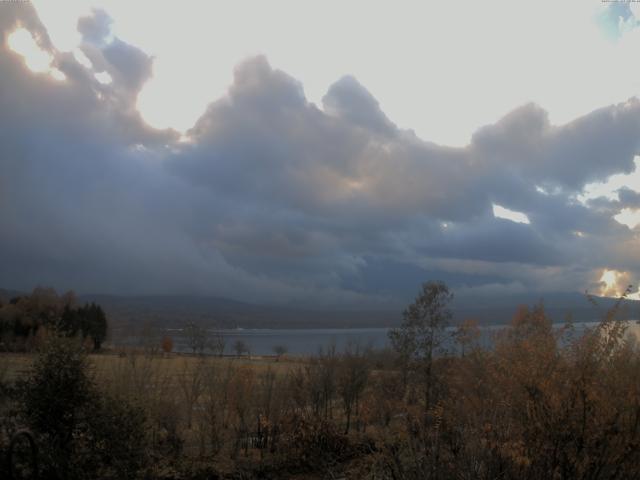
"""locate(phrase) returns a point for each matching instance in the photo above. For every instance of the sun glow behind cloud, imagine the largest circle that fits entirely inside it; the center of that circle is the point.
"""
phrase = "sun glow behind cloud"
(161, 107)
(37, 60)
(22, 42)
(609, 281)
(614, 283)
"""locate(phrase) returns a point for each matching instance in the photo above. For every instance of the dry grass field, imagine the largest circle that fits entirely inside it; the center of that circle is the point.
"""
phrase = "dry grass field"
(194, 404)
(12, 365)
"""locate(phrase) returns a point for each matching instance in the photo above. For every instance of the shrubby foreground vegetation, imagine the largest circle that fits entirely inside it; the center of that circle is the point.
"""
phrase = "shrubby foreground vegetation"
(541, 403)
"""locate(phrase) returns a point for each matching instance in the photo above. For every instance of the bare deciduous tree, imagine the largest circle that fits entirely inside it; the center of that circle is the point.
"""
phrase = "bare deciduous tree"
(240, 347)
(422, 331)
(279, 350)
(352, 380)
(196, 337)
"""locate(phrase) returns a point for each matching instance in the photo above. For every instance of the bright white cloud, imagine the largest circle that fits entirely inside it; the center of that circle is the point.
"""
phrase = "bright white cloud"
(82, 59)
(103, 77)
(501, 212)
(629, 217)
(608, 189)
(57, 74)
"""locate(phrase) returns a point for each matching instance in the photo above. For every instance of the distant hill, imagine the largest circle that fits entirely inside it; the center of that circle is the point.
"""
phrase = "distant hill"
(171, 311)
(558, 306)
(6, 295)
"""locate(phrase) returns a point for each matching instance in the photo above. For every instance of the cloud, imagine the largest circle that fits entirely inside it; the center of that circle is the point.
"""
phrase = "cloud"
(274, 199)
(583, 151)
(349, 100)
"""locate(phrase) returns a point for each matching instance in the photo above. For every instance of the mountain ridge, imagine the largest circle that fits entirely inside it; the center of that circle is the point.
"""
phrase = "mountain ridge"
(168, 311)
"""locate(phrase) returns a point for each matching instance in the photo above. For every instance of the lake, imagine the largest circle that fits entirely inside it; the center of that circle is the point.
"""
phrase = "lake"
(310, 341)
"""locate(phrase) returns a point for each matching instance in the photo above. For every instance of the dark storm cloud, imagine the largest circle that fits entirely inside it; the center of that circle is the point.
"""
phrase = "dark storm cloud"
(629, 198)
(275, 199)
(586, 150)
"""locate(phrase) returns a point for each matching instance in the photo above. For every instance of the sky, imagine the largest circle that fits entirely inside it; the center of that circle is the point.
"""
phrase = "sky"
(319, 153)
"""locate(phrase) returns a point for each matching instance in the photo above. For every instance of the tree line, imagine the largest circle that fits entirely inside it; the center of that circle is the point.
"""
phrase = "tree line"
(25, 320)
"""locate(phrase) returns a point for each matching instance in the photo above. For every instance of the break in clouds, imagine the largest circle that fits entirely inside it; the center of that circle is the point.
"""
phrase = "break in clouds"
(274, 199)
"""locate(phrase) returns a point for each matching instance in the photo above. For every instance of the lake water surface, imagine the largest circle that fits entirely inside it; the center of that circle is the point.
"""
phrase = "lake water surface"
(261, 341)
(310, 341)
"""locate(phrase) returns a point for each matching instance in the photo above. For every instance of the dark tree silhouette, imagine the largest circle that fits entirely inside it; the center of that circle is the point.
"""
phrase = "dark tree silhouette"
(422, 331)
